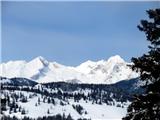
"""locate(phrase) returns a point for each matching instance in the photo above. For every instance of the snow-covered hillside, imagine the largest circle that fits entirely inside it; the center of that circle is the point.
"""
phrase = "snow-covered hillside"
(23, 99)
(101, 72)
(38, 106)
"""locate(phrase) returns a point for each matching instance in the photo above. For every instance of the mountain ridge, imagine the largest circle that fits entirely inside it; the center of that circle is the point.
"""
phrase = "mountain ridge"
(39, 69)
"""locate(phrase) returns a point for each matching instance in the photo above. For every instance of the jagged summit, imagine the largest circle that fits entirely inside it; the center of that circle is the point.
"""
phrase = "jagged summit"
(39, 60)
(39, 69)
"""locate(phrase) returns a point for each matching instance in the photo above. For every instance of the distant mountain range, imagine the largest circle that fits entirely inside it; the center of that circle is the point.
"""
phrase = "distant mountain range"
(40, 70)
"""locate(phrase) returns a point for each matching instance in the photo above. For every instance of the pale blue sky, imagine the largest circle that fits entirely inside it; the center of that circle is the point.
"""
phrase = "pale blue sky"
(73, 32)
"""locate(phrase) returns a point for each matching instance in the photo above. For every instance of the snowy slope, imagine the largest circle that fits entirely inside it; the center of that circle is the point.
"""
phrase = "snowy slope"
(101, 72)
(96, 102)
(93, 111)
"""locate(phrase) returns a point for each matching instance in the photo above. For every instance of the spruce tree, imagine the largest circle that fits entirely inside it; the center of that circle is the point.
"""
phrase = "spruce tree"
(48, 112)
(23, 111)
(147, 105)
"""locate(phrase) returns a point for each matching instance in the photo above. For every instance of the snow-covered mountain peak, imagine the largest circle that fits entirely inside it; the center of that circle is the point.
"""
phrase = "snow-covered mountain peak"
(40, 58)
(39, 69)
(39, 61)
(115, 59)
(86, 67)
(88, 63)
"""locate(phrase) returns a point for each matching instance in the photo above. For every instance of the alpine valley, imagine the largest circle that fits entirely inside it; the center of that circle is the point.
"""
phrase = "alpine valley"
(43, 90)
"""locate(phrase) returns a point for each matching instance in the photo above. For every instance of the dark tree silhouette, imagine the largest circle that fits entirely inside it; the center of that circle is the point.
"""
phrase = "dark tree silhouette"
(23, 111)
(48, 112)
(147, 105)
(3, 104)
